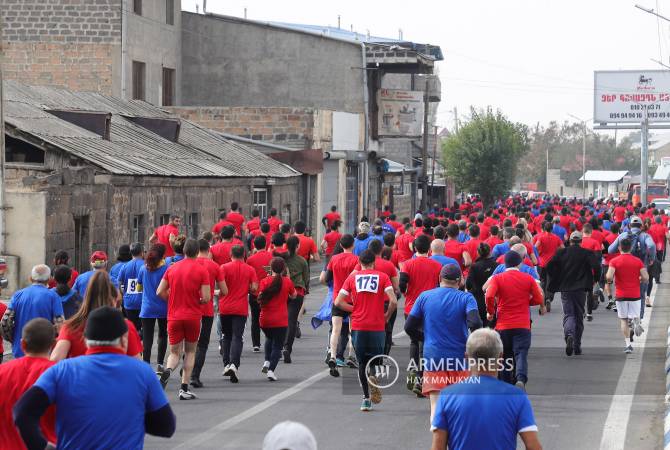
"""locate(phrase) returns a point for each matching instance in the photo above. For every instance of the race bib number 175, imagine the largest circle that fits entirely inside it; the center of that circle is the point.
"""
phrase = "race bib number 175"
(367, 283)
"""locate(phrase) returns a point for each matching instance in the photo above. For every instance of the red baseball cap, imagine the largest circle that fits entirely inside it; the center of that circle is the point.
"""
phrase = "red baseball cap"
(98, 256)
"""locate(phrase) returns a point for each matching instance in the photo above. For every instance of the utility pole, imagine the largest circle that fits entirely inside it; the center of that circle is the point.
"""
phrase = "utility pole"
(424, 150)
(432, 178)
(644, 159)
(2, 159)
(456, 119)
(583, 160)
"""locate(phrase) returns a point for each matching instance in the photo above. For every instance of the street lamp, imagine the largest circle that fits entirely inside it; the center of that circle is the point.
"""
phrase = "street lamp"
(584, 122)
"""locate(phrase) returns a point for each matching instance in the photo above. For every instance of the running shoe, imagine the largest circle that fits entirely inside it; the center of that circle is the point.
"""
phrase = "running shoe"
(186, 395)
(637, 326)
(332, 365)
(611, 305)
(375, 392)
(298, 332)
(352, 362)
(628, 349)
(578, 350)
(417, 388)
(327, 355)
(196, 383)
(231, 371)
(287, 356)
(521, 385)
(614, 308)
(257, 349)
(569, 345)
(266, 367)
(340, 362)
(411, 377)
(366, 405)
(647, 302)
(271, 376)
(164, 377)
(589, 317)
(160, 369)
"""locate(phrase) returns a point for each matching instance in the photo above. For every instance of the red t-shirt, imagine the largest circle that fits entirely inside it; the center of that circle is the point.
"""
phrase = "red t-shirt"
(547, 243)
(215, 276)
(253, 224)
(274, 223)
(619, 214)
(259, 261)
(73, 277)
(424, 274)
(216, 229)
(402, 243)
(515, 292)
(610, 238)
(383, 266)
(627, 275)
(366, 290)
(274, 314)
(221, 251)
(163, 236)
(237, 220)
(484, 231)
(395, 225)
(657, 232)
(307, 246)
(239, 277)
(493, 241)
(454, 249)
(591, 244)
(17, 376)
(332, 238)
(331, 217)
(341, 265)
(78, 344)
(471, 247)
(185, 280)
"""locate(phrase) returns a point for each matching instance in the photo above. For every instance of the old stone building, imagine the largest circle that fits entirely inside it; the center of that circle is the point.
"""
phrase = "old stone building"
(86, 171)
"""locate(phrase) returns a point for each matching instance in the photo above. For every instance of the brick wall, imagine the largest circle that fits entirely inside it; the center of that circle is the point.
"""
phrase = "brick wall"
(293, 127)
(63, 43)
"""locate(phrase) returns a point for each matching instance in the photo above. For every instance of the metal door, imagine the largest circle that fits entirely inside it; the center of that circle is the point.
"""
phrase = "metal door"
(352, 198)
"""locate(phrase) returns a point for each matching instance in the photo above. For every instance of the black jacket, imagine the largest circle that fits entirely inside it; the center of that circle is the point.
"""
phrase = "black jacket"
(573, 269)
(480, 272)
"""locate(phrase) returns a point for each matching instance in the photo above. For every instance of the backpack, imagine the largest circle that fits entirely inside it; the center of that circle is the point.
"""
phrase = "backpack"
(639, 248)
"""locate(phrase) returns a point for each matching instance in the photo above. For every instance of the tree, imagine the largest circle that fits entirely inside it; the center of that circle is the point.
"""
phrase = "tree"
(484, 155)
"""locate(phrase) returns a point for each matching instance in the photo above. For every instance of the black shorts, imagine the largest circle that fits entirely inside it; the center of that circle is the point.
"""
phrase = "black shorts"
(337, 312)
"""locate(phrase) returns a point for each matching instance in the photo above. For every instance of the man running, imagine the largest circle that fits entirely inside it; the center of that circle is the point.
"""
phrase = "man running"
(546, 243)
(98, 261)
(131, 287)
(166, 234)
(185, 286)
(363, 295)
(330, 218)
(221, 251)
(260, 260)
(236, 218)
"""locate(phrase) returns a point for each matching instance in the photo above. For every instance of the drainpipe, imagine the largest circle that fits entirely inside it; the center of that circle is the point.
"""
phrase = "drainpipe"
(124, 30)
(366, 138)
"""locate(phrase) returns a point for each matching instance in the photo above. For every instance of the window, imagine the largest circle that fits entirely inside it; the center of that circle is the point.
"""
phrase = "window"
(193, 220)
(168, 86)
(261, 201)
(18, 151)
(163, 219)
(286, 214)
(137, 7)
(81, 243)
(169, 12)
(137, 229)
(139, 80)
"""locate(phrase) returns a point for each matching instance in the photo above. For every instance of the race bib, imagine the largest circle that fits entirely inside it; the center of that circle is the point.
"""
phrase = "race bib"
(367, 283)
(134, 286)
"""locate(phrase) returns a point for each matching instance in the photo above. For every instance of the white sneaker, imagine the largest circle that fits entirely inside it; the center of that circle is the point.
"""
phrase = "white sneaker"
(257, 349)
(186, 395)
(231, 371)
(628, 349)
(266, 367)
(271, 375)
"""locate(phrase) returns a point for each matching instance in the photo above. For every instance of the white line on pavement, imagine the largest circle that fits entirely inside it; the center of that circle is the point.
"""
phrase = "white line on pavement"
(262, 406)
(616, 425)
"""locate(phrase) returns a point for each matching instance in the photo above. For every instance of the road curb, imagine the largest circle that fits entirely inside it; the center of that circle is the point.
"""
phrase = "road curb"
(666, 424)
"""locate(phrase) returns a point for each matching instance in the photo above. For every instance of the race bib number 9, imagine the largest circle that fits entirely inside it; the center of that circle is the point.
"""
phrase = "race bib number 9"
(367, 283)
(134, 286)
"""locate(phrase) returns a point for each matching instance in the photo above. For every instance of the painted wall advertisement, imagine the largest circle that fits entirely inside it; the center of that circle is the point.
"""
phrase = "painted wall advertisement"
(400, 113)
(624, 96)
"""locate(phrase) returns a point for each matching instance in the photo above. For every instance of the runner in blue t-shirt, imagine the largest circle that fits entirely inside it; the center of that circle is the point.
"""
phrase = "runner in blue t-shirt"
(481, 411)
(153, 308)
(131, 287)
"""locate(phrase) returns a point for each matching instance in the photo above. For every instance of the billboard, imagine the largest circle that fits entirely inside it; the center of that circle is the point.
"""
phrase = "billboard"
(624, 96)
(400, 113)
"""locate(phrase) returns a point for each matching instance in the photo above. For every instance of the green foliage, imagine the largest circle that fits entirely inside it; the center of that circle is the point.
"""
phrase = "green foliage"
(484, 155)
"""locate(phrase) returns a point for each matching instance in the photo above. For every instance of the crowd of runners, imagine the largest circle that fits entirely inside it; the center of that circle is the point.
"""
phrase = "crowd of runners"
(452, 270)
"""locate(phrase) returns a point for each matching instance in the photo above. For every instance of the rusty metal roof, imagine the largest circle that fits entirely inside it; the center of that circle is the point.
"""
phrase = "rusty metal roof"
(132, 149)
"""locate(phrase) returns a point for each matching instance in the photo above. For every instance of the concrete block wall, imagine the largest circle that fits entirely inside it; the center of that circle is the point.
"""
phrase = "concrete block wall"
(63, 43)
(293, 127)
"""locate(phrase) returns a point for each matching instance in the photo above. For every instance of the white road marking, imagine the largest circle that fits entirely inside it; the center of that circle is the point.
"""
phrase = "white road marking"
(616, 425)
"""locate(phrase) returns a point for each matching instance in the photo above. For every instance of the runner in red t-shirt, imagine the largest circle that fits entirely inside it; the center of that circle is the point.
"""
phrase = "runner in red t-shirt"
(260, 261)
(330, 218)
(221, 251)
(218, 287)
(234, 308)
(19, 375)
(403, 243)
(223, 222)
(274, 221)
(166, 234)
(255, 223)
(274, 293)
(236, 218)
(331, 239)
(185, 286)
(364, 294)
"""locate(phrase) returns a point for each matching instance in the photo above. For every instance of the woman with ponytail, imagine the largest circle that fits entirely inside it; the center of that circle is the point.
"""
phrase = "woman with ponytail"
(153, 309)
(299, 272)
(274, 293)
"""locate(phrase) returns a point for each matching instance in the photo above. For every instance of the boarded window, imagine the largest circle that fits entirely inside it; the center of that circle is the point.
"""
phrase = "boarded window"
(169, 12)
(138, 228)
(193, 228)
(139, 80)
(168, 86)
(82, 243)
(137, 7)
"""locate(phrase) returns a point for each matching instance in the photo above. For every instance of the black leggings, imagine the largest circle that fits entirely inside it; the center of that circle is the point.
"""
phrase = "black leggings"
(134, 316)
(389, 331)
(255, 309)
(148, 338)
(203, 343)
(294, 307)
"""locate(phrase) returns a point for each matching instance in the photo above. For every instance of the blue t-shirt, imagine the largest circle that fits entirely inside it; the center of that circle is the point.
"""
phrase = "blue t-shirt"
(173, 259)
(473, 409)
(523, 268)
(30, 303)
(71, 302)
(444, 260)
(559, 231)
(81, 283)
(445, 326)
(360, 245)
(116, 270)
(463, 237)
(152, 305)
(101, 400)
(132, 288)
(500, 249)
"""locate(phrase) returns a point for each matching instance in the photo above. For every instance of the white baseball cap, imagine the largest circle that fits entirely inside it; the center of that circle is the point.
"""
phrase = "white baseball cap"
(289, 435)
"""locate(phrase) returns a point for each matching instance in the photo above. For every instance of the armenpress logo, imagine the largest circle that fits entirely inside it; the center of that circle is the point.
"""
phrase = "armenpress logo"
(384, 369)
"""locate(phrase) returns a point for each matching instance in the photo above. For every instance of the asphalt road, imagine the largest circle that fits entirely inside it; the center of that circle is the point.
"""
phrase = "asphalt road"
(573, 398)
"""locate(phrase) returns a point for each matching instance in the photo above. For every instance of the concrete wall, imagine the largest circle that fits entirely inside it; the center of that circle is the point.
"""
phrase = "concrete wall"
(26, 227)
(232, 62)
(64, 43)
(157, 44)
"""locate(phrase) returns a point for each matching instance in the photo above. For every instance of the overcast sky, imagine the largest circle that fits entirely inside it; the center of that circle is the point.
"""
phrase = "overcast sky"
(532, 59)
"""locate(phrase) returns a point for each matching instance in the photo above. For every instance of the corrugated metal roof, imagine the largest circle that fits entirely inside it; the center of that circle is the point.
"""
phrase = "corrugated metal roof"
(132, 149)
(604, 175)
